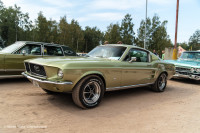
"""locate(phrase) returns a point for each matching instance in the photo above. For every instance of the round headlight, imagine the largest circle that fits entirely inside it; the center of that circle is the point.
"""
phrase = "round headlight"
(192, 70)
(198, 70)
(60, 73)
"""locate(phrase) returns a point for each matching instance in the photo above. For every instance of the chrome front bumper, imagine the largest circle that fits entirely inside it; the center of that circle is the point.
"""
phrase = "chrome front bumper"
(50, 85)
(194, 77)
(46, 81)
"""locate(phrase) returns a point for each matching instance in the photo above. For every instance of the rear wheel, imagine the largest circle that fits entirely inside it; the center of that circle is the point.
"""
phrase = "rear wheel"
(160, 84)
(88, 92)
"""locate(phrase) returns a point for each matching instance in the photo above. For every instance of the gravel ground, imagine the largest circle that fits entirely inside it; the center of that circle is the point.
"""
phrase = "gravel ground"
(28, 109)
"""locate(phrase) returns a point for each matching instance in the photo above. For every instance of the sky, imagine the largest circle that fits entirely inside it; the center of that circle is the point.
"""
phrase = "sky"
(102, 13)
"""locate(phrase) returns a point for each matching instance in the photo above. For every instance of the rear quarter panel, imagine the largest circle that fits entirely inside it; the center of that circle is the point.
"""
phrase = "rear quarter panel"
(2, 64)
(161, 67)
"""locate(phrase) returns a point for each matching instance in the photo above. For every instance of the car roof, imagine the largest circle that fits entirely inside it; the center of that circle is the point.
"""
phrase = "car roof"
(124, 45)
(50, 44)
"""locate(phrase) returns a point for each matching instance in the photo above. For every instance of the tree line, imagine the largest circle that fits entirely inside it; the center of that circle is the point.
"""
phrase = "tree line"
(17, 26)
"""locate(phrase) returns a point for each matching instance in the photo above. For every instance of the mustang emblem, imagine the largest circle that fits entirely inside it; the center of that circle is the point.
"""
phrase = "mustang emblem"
(37, 68)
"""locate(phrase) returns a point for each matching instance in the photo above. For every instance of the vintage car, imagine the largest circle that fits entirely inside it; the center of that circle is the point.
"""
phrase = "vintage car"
(12, 57)
(1, 46)
(106, 67)
(1, 43)
(188, 65)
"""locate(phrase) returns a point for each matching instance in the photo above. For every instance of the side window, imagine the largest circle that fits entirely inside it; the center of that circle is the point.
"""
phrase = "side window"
(30, 49)
(141, 56)
(52, 51)
(68, 51)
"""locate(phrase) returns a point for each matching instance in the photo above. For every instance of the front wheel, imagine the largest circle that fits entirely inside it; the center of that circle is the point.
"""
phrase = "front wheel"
(88, 92)
(160, 84)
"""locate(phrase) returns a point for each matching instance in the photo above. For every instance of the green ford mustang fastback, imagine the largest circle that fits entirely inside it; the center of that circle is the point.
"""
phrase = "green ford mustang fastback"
(106, 67)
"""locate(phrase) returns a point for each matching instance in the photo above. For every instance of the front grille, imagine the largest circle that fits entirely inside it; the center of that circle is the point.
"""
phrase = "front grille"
(182, 70)
(35, 69)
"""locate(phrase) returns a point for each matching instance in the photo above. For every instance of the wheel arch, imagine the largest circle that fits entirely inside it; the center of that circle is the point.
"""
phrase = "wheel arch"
(161, 73)
(97, 73)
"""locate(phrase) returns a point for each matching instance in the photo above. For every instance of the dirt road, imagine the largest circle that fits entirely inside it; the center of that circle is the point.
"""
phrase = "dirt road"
(25, 108)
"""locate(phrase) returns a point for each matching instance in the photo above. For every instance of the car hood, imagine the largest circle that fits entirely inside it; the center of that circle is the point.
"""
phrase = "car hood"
(62, 62)
(185, 63)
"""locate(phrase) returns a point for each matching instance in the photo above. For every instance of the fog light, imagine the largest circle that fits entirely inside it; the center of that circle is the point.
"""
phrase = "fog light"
(60, 73)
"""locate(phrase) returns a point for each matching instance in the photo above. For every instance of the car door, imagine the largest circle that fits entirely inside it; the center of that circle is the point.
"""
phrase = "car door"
(138, 71)
(14, 63)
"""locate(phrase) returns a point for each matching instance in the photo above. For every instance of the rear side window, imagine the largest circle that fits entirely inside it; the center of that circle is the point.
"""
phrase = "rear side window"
(52, 51)
(68, 51)
(30, 49)
(141, 56)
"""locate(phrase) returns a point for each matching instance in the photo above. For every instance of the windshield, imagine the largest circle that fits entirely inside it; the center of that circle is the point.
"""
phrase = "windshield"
(190, 56)
(110, 52)
(12, 47)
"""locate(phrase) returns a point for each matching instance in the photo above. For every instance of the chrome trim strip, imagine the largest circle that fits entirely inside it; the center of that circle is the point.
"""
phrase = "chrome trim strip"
(126, 87)
(10, 76)
(195, 77)
(11, 70)
(46, 81)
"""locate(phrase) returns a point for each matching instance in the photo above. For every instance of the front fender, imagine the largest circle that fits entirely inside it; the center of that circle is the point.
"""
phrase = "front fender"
(88, 73)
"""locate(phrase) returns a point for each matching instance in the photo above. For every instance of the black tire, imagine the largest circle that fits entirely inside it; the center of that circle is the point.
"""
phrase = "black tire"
(88, 92)
(49, 92)
(160, 84)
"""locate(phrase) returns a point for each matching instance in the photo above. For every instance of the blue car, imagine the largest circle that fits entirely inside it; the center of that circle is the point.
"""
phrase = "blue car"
(188, 65)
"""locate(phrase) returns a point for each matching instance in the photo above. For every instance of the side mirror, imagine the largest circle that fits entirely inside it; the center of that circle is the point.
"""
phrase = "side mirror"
(23, 52)
(133, 59)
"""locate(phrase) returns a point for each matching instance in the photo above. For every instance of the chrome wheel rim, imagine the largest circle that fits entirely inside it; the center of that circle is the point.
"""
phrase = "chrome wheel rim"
(162, 81)
(91, 92)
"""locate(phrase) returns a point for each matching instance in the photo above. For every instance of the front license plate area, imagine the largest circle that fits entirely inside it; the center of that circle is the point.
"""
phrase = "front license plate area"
(35, 83)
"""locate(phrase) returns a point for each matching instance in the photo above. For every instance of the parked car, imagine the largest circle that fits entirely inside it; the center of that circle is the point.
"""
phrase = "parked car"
(1, 46)
(12, 57)
(1, 43)
(106, 67)
(188, 65)
(81, 54)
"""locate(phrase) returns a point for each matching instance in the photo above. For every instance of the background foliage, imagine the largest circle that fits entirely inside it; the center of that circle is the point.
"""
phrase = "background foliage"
(16, 26)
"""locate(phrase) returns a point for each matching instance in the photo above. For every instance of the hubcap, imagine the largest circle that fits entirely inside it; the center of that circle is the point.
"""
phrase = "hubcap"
(162, 81)
(91, 92)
